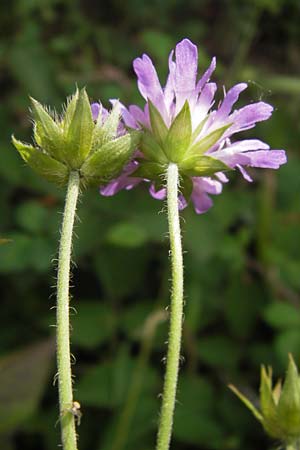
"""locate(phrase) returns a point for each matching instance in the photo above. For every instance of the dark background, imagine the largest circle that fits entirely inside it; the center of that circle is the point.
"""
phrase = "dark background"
(242, 261)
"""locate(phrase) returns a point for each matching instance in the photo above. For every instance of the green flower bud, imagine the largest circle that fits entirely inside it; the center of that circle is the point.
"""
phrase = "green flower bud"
(77, 142)
(279, 405)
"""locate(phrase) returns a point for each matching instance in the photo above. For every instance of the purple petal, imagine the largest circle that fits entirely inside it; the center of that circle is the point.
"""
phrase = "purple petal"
(201, 187)
(138, 114)
(246, 117)
(95, 107)
(230, 99)
(206, 76)
(204, 103)
(124, 181)
(186, 69)
(169, 90)
(271, 159)
(244, 173)
(158, 195)
(148, 83)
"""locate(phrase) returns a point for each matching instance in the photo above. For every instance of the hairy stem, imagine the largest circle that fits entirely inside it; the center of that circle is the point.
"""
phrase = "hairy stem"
(175, 331)
(68, 432)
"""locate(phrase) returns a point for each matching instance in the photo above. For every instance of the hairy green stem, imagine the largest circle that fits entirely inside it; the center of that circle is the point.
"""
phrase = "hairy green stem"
(176, 314)
(68, 432)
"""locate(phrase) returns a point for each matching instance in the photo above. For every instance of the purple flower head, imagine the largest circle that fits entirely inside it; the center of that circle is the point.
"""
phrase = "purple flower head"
(180, 124)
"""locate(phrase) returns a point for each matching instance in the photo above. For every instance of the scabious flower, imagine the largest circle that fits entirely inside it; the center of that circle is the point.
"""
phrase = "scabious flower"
(181, 124)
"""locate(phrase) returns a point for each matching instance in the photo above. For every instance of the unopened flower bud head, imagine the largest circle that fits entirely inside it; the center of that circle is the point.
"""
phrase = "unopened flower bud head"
(279, 411)
(97, 146)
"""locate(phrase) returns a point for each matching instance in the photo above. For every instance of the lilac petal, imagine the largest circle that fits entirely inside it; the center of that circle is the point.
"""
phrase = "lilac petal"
(246, 117)
(244, 173)
(128, 118)
(203, 105)
(158, 195)
(186, 67)
(206, 76)
(271, 159)
(201, 187)
(138, 114)
(148, 83)
(169, 90)
(202, 202)
(182, 203)
(95, 107)
(230, 99)
(230, 154)
(124, 181)
(222, 177)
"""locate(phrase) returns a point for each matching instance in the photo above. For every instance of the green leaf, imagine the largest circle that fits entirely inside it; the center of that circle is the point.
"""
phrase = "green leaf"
(32, 216)
(202, 166)
(23, 375)
(109, 160)
(179, 135)
(93, 324)
(41, 163)
(47, 133)
(80, 132)
(282, 316)
(127, 234)
(200, 147)
(151, 148)
(158, 125)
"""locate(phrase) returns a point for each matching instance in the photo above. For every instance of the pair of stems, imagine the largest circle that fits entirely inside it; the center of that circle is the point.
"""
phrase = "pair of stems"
(67, 416)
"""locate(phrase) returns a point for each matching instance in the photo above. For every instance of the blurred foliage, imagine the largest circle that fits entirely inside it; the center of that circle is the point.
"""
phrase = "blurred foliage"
(242, 263)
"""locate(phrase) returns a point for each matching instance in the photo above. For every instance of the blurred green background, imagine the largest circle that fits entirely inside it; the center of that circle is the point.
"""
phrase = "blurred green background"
(242, 261)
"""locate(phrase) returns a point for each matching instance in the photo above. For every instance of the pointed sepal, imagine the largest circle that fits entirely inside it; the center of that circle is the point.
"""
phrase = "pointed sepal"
(179, 135)
(80, 132)
(42, 163)
(109, 160)
(47, 133)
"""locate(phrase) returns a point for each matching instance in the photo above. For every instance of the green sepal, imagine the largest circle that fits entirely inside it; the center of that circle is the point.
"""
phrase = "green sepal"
(42, 163)
(247, 403)
(69, 111)
(109, 160)
(267, 403)
(200, 147)
(288, 408)
(158, 126)
(47, 133)
(80, 132)
(108, 130)
(186, 187)
(179, 135)
(151, 148)
(150, 170)
(199, 128)
(202, 166)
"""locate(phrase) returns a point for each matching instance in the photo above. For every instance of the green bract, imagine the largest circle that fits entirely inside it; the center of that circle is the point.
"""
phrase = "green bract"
(177, 144)
(279, 406)
(76, 142)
